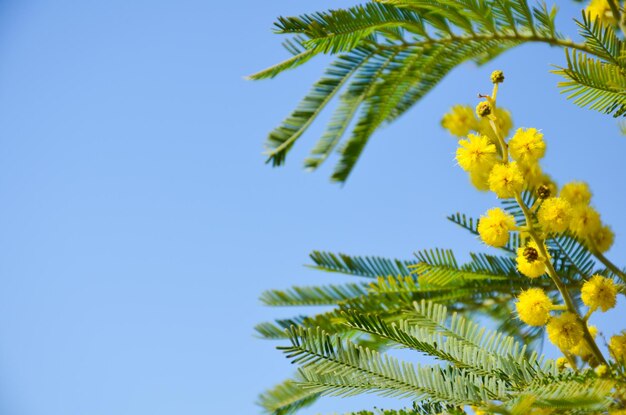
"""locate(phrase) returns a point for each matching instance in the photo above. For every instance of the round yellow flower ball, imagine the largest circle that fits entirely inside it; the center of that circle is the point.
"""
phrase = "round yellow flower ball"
(527, 145)
(475, 152)
(555, 214)
(494, 227)
(460, 121)
(585, 220)
(506, 180)
(599, 292)
(533, 307)
(617, 346)
(577, 193)
(565, 331)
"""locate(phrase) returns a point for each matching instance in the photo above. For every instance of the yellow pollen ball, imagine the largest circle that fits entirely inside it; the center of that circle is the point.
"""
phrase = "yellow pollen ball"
(601, 10)
(561, 363)
(599, 292)
(582, 348)
(527, 145)
(533, 307)
(565, 331)
(617, 346)
(555, 214)
(577, 193)
(585, 220)
(602, 371)
(476, 152)
(479, 178)
(506, 180)
(460, 121)
(483, 109)
(602, 239)
(532, 269)
(494, 227)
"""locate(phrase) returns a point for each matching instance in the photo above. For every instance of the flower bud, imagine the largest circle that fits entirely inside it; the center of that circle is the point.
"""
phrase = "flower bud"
(531, 254)
(543, 192)
(483, 109)
(497, 77)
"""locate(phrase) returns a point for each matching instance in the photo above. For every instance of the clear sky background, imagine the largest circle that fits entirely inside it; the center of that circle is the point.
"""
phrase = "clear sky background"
(139, 223)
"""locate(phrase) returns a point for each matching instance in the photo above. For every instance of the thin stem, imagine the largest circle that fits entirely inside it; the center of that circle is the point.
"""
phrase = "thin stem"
(564, 43)
(554, 276)
(543, 252)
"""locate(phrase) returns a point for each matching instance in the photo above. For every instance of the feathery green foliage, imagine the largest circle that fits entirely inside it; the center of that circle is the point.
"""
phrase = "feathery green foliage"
(597, 82)
(390, 54)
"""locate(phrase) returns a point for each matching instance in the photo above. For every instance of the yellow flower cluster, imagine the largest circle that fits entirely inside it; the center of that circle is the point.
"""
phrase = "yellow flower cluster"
(582, 348)
(565, 331)
(527, 146)
(555, 214)
(461, 121)
(602, 370)
(602, 239)
(599, 292)
(577, 193)
(494, 227)
(561, 363)
(476, 152)
(505, 180)
(600, 9)
(533, 307)
(507, 166)
(529, 260)
(617, 346)
(585, 221)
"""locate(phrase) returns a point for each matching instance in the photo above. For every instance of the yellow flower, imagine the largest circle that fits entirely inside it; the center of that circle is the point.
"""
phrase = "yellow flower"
(582, 348)
(460, 120)
(600, 9)
(479, 178)
(476, 152)
(565, 331)
(599, 292)
(497, 77)
(494, 227)
(483, 109)
(602, 239)
(555, 214)
(602, 370)
(533, 307)
(527, 145)
(561, 363)
(478, 411)
(530, 262)
(617, 346)
(577, 193)
(505, 180)
(585, 220)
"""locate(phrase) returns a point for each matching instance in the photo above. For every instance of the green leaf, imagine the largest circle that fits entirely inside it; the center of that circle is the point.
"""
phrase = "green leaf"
(286, 398)
(591, 83)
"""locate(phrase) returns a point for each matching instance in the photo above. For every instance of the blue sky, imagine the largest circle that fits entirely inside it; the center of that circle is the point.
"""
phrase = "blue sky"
(139, 223)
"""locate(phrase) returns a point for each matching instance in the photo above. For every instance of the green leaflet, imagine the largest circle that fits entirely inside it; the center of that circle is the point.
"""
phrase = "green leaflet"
(391, 54)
